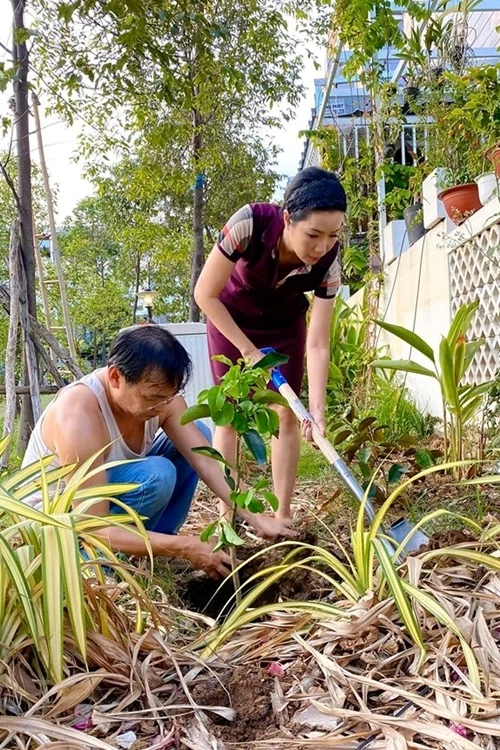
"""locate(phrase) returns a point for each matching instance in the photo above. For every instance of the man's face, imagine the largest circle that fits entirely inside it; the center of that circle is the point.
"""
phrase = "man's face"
(142, 400)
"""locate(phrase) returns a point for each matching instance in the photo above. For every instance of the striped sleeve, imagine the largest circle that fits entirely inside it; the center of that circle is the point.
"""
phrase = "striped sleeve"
(235, 238)
(331, 282)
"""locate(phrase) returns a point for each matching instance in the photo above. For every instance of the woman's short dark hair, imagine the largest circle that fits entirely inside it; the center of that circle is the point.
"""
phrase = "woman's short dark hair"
(314, 189)
(147, 349)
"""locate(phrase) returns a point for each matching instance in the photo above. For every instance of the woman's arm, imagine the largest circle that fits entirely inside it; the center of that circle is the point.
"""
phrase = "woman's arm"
(318, 357)
(212, 280)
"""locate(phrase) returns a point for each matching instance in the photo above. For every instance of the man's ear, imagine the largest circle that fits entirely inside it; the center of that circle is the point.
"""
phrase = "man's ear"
(114, 376)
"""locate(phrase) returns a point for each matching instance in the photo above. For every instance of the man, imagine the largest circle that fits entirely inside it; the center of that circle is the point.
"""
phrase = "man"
(131, 408)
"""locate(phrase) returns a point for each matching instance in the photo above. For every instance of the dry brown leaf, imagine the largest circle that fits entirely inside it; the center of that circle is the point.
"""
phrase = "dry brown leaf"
(394, 740)
(39, 728)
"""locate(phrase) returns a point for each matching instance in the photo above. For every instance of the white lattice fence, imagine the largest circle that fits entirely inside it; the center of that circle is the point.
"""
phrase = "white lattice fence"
(474, 268)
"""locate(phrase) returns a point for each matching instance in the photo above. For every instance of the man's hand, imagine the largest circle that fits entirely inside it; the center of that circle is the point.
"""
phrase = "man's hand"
(202, 557)
(269, 527)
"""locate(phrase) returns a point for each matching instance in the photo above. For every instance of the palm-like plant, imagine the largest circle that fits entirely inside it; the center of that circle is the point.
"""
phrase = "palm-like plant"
(461, 401)
(50, 556)
(369, 569)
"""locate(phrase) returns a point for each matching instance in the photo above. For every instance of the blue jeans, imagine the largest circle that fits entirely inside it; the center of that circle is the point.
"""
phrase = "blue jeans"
(166, 485)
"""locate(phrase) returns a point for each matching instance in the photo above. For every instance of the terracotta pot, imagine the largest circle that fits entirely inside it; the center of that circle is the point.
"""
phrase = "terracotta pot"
(461, 201)
(493, 154)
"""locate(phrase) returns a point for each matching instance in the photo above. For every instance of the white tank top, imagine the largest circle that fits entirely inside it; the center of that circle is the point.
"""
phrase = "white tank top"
(118, 449)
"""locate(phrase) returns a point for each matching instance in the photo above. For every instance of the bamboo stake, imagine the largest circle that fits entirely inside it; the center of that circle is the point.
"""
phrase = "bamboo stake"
(11, 350)
(53, 233)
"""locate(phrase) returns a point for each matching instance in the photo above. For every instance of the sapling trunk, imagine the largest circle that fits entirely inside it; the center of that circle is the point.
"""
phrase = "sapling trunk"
(234, 513)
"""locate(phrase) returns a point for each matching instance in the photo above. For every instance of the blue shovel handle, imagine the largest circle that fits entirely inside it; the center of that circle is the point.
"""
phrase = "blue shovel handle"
(276, 375)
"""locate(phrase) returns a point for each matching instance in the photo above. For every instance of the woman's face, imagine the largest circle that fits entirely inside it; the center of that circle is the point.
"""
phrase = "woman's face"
(314, 236)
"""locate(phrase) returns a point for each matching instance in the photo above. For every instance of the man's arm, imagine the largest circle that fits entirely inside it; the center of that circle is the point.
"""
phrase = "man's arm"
(76, 432)
(185, 438)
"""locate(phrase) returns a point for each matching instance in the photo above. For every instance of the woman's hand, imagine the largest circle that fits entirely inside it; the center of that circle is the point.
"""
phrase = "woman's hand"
(318, 416)
(252, 356)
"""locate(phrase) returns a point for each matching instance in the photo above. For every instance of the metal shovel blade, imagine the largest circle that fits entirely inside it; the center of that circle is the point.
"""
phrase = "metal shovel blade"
(400, 530)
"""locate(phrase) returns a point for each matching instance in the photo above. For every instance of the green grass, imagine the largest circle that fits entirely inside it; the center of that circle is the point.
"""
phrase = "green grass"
(394, 406)
(312, 463)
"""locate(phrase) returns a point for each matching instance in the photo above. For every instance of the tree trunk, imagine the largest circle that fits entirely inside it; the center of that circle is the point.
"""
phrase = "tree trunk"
(40, 333)
(22, 129)
(198, 254)
(136, 285)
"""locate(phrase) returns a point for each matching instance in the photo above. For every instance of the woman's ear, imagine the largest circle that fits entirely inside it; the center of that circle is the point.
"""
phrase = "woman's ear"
(286, 218)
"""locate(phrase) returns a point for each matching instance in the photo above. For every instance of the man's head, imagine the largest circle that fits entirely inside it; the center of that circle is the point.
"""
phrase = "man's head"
(147, 367)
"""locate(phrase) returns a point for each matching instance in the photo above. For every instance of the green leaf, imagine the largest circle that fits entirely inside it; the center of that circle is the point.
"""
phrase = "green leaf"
(270, 360)
(256, 446)
(206, 450)
(229, 478)
(401, 600)
(267, 396)
(262, 421)
(216, 399)
(459, 360)
(271, 499)
(335, 373)
(364, 454)
(255, 505)
(395, 473)
(223, 359)
(448, 384)
(208, 532)
(192, 413)
(461, 321)
(231, 537)
(423, 458)
(239, 497)
(225, 416)
(365, 470)
(403, 365)
(274, 422)
(240, 422)
(409, 337)
(22, 35)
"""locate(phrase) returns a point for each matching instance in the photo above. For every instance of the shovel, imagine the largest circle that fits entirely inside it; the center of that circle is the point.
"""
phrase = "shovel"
(401, 528)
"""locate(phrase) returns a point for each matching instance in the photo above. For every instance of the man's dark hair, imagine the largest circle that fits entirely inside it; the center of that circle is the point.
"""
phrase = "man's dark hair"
(314, 189)
(149, 349)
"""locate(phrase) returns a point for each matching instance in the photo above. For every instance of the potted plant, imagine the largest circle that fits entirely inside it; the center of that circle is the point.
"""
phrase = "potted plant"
(460, 195)
(461, 113)
(403, 200)
(414, 220)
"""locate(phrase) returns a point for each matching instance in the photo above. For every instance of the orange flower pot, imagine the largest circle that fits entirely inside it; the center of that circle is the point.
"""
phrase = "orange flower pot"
(461, 201)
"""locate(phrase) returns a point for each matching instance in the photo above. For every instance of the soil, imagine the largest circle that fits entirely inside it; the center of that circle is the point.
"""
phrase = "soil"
(248, 691)
(200, 593)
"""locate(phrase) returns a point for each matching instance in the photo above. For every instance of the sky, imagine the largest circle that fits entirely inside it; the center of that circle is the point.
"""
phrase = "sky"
(60, 142)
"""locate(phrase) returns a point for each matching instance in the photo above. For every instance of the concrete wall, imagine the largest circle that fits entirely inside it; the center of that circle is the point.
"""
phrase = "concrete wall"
(416, 295)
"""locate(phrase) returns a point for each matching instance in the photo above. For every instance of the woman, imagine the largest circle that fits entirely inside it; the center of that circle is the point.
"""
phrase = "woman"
(252, 289)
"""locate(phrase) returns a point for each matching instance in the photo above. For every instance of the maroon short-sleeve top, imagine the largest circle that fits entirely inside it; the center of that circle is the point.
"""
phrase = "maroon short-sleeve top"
(254, 294)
